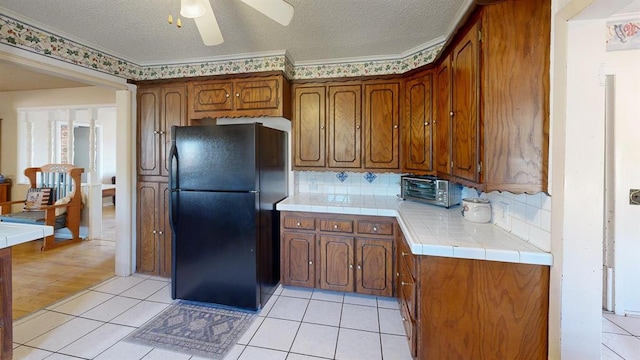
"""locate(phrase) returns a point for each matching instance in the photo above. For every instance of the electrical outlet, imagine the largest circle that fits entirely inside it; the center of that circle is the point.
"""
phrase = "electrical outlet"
(634, 196)
(504, 213)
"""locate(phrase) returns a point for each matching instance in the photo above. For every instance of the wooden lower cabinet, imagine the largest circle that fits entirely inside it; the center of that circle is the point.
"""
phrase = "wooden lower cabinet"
(472, 309)
(6, 322)
(338, 252)
(154, 231)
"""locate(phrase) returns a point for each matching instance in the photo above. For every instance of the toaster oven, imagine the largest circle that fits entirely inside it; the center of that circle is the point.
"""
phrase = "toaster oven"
(430, 190)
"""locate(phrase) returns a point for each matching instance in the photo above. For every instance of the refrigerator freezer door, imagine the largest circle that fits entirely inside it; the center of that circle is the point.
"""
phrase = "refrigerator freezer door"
(215, 248)
(215, 157)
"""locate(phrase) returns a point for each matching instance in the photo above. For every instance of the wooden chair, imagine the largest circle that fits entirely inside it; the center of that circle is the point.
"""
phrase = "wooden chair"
(66, 202)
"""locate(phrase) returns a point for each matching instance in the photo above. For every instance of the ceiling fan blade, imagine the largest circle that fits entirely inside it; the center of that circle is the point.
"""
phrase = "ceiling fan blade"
(208, 26)
(278, 10)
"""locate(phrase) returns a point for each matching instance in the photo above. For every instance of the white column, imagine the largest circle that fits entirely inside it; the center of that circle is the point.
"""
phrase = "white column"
(71, 117)
(125, 185)
(29, 137)
(51, 138)
(93, 189)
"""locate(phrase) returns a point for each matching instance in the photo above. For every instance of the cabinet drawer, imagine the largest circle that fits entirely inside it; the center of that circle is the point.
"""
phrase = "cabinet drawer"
(375, 227)
(299, 223)
(410, 328)
(407, 257)
(407, 289)
(343, 226)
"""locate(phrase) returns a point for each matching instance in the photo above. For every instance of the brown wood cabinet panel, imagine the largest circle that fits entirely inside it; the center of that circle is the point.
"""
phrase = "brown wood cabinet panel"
(254, 96)
(516, 102)
(214, 96)
(374, 266)
(417, 123)
(495, 311)
(262, 94)
(465, 122)
(308, 126)
(174, 112)
(147, 242)
(381, 126)
(5, 196)
(336, 263)
(344, 126)
(332, 225)
(442, 120)
(153, 247)
(148, 144)
(6, 305)
(298, 259)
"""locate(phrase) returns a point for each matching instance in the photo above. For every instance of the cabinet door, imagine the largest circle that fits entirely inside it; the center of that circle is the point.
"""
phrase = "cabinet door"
(211, 96)
(164, 234)
(6, 319)
(344, 126)
(147, 240)
(465, 124)
(298, 259)
(381, 119)
(442, 119)
(336, 263)
(374, 267)
(309, 126)
(251, 94)
(148, 143)
(416, 126)
(174, 112)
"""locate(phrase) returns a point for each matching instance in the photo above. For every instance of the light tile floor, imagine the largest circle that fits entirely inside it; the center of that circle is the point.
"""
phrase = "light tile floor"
(296, 324)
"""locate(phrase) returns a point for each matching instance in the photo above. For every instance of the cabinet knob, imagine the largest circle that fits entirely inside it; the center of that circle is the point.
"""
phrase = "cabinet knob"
(310, 262)
(335, 226)
(237, 95)
(156, 131)
(375, 229)
(404, 319)
(227, 95)
(451, 113)
(155, 232)
(426, 123)
(404, 253)
(359, 267)
(358, 127)
(404, 283)
(395, 126)
(160, 232)
(298, 224)
(350, 266)
(321, 126)
(397, 274)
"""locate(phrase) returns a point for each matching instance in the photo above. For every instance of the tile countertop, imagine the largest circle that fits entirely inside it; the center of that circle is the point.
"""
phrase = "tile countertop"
(429, 229)
(14, 234)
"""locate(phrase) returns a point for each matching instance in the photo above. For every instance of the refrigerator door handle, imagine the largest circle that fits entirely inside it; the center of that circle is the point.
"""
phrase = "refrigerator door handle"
(173, 184)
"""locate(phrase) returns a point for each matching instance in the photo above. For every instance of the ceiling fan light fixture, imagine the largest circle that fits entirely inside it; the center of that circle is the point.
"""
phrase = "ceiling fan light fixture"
(192, 8)
(278, 10)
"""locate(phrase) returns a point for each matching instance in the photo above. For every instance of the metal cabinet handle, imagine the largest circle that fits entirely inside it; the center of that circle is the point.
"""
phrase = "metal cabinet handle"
(426, 123)
(375, 229)
(357, 126)
(160, 232)
(404, 319)
(451, 113)
(237, 95)
(335, 226)
(298, 224)
(350, 266)
(228, 95)
(397, 274)
(310, 262)
(359, 267)
(404, 253)
(155, 232)
(395, 126)
(321, 126)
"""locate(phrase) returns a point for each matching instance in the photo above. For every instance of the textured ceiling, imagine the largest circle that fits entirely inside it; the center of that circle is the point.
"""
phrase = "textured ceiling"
(138, 31)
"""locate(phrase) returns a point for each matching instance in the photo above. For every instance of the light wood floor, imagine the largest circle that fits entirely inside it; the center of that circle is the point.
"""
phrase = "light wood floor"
(41, 278)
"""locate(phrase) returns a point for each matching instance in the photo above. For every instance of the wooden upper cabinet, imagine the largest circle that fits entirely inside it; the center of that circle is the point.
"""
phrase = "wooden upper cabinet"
(465, 97)
(381, 126)
(516, 95)
(442, 117)
(159, 108)
(345, 118)
(238, 97)
(308, 126)
(417, 124)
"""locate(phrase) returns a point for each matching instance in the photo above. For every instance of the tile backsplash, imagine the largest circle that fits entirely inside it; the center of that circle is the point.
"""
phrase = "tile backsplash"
(342, 182)
(525, 216)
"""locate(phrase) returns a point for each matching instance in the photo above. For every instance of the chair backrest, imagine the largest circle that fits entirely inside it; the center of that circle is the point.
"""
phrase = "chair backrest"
(64, 179)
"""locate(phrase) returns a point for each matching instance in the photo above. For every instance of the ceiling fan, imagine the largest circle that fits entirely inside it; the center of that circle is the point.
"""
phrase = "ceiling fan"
(202, 13)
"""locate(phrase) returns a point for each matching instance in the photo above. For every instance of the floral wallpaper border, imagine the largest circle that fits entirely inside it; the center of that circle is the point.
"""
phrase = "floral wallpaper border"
(30, 38)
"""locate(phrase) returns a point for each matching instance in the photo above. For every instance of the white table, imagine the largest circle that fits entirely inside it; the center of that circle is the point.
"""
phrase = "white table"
(13, 234)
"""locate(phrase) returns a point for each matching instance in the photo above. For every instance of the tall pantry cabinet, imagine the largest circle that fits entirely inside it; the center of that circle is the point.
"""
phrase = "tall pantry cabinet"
(159, 108)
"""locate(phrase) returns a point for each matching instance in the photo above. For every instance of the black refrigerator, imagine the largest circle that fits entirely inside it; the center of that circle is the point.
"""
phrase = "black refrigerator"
(225, 181)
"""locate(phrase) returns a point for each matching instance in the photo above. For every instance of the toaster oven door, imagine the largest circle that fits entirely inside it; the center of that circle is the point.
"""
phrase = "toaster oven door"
(419, 189)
